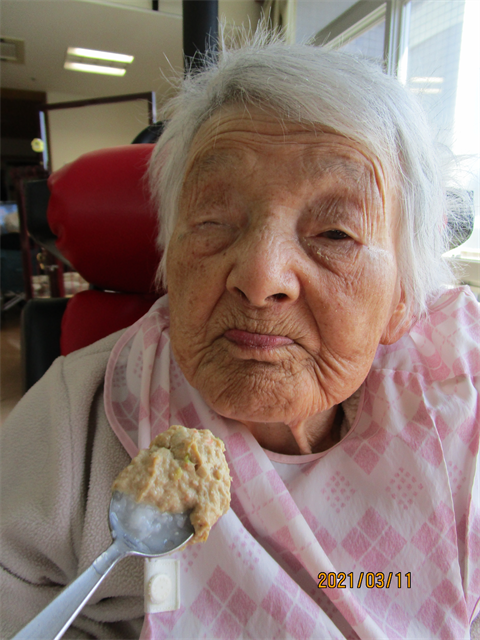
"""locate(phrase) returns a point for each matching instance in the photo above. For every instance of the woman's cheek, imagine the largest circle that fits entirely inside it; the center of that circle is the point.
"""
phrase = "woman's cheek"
(342, 259)
(193, 285)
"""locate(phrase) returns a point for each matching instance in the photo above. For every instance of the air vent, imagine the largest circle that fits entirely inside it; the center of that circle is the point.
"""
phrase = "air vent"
(12, 50)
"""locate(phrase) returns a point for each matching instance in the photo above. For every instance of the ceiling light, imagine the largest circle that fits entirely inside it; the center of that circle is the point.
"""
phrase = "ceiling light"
(94, 68)
(427, 79)
(99, 55)
(93, 61)
(425, 90)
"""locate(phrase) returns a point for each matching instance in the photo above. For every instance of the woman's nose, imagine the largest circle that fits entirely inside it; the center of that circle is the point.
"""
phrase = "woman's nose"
(263, 270)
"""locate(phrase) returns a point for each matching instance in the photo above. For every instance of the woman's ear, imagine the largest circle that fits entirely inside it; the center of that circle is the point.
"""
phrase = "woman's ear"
(399, 323)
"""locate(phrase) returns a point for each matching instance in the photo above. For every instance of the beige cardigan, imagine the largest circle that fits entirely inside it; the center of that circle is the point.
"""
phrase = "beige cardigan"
(59, 457)
(58, 460)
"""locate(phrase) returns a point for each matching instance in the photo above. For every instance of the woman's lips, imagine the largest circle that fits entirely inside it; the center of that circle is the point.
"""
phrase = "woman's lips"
(256, 340)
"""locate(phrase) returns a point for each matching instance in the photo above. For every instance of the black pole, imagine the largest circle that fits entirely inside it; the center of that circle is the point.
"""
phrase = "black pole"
(200, 30)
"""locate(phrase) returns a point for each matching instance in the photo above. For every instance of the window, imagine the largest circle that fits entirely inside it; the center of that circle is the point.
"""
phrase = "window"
(440, 64)
(370, 43)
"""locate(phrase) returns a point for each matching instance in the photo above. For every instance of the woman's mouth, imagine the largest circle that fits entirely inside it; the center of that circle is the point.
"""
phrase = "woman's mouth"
(256, 340)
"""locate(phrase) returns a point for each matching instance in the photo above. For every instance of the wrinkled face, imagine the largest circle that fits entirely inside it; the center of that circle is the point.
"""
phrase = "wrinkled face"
(282, 275)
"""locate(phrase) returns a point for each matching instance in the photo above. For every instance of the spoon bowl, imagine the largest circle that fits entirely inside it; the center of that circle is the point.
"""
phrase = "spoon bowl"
(146, 530)
(137, 529)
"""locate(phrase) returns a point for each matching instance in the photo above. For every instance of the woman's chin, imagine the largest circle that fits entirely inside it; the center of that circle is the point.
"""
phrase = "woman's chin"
(250, 391)
(256, 408)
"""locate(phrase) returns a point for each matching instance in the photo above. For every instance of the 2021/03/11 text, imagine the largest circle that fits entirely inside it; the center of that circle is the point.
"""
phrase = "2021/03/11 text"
(371, 580)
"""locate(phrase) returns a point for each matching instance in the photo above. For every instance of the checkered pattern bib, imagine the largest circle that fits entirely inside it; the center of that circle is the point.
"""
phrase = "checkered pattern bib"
(378, 537)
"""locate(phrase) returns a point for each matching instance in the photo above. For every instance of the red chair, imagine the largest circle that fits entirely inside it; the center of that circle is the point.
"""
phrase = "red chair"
(106, 228)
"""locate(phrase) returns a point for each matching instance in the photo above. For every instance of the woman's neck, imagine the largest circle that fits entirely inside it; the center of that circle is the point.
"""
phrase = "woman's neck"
(318, 433)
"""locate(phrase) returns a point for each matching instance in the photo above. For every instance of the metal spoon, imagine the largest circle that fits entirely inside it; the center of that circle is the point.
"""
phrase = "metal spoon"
(137, 529)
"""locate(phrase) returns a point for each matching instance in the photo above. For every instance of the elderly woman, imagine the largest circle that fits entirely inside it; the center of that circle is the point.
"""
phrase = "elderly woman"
(308, 325)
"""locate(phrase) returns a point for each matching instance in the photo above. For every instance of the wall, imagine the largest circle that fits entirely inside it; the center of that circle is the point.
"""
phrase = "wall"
(79, 130)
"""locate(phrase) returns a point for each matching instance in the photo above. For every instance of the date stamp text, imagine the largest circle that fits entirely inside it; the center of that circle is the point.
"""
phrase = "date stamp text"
(369, 579)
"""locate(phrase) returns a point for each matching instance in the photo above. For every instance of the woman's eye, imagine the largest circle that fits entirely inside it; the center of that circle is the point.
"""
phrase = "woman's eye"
(208, 223)
(334, 234)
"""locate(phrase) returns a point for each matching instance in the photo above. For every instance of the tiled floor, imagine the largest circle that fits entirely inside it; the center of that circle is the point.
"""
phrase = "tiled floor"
(11, 379)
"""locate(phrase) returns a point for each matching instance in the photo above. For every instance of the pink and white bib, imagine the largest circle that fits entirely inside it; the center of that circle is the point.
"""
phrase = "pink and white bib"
(378, 537)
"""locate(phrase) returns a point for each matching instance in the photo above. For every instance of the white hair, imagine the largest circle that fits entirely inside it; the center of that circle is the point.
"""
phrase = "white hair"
(352, 96)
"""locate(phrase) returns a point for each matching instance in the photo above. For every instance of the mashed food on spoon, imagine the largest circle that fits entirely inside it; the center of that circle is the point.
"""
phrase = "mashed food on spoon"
(182, 470)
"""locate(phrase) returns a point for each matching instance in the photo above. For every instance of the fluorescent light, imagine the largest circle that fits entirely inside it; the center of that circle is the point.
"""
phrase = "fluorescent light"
(94, 68)
(99, 55)
(427, 79)
(425, 90)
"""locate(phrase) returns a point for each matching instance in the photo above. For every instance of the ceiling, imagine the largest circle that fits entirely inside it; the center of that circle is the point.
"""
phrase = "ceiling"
(50, 26)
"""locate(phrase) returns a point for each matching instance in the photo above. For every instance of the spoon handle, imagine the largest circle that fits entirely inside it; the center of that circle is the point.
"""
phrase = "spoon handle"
(52, 622)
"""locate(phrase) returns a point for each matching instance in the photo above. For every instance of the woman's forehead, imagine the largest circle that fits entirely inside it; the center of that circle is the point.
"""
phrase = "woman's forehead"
(242, 142)
(236, 135)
